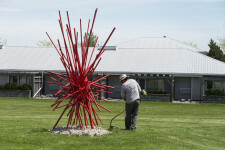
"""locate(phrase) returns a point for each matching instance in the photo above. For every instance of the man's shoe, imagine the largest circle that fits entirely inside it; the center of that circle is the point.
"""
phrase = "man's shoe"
(133, 129)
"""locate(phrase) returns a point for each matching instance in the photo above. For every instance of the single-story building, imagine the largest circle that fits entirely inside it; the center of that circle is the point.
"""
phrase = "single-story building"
(160, 63)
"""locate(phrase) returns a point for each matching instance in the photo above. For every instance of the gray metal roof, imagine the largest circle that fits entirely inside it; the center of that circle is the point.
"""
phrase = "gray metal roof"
(29, 59)
(156, 43)
(143, 55)
(161, 61)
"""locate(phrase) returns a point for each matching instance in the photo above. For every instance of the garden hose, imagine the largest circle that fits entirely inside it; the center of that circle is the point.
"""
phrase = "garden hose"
(114, 118)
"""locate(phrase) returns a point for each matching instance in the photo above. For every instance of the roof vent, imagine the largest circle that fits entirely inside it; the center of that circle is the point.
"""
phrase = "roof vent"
(1, 46)
(164, 36)
(107, 47)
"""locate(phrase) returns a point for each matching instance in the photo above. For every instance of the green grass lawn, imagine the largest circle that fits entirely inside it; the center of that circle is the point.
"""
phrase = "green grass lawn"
(24, 124)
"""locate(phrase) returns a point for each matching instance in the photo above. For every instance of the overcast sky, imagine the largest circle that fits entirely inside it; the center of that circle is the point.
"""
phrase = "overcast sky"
(24, 22)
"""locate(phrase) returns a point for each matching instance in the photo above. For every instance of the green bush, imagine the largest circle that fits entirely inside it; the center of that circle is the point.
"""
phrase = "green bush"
(217, 92)
(2, 86)
(25, 87)
(15, 86)
(11, 86)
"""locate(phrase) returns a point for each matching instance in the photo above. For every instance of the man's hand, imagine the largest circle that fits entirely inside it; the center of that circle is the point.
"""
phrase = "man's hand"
(144, 92)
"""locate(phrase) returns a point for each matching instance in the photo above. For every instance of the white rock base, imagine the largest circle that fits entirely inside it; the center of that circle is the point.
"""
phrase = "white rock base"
(76, 130)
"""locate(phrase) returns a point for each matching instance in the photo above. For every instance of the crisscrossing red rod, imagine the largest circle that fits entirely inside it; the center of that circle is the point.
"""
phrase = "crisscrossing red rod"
(77, 89)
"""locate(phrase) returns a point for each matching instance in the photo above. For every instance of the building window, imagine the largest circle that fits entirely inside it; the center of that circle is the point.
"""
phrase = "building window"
(209, 84)
(29, 80)
(219, 85)
(23, 80)
(13, 79)
(142, 83)
(154, 84)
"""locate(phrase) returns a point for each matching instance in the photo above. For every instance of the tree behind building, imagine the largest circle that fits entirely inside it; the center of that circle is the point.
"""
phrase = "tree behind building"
(92, 40)
(215, 51)
(45, 43)
(3, 41)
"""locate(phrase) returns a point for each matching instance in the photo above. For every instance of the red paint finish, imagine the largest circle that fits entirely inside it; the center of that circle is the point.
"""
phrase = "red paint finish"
(78, 90)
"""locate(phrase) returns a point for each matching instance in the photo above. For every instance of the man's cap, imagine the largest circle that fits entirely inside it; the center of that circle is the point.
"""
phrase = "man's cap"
(123, 76)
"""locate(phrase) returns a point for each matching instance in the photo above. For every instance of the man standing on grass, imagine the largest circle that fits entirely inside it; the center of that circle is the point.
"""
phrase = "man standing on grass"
(130, 92)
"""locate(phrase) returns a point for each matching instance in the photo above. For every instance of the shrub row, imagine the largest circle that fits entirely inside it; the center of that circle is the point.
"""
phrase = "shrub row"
(15, 86)
(217, 92)
(156, 92)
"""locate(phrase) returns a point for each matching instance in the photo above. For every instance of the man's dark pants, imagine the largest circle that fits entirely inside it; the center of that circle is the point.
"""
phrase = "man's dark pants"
(132, 115)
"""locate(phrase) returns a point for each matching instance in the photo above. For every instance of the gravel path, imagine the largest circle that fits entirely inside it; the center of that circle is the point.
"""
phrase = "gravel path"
(75, 130)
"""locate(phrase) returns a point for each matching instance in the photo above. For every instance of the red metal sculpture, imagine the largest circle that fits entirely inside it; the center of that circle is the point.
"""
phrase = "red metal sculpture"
(79, 70)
